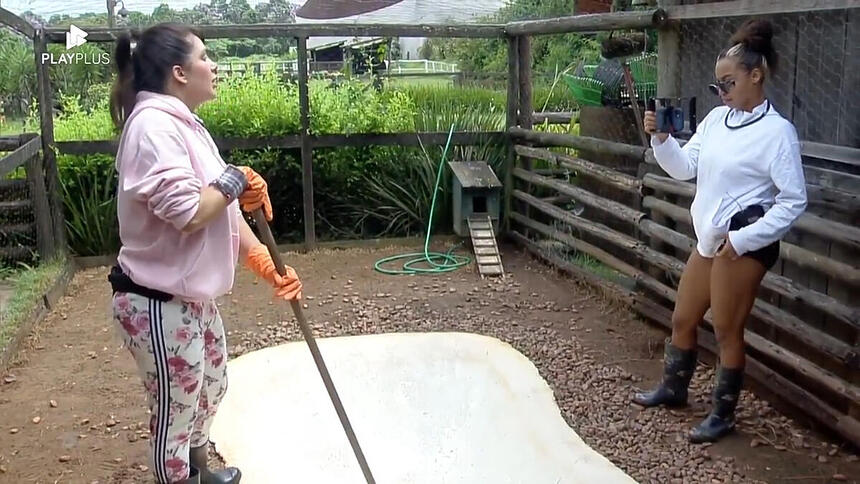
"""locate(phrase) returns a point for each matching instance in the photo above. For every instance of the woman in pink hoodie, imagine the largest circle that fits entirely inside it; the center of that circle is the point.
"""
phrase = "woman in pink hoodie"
(183, 234)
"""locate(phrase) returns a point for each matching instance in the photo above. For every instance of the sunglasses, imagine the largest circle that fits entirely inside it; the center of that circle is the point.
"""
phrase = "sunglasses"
(724, 86)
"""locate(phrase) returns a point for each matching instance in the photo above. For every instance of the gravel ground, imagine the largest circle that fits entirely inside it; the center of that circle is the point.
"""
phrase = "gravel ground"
(593, 354)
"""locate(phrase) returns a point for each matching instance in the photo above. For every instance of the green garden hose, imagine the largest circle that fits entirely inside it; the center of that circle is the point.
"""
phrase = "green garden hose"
(436, 262)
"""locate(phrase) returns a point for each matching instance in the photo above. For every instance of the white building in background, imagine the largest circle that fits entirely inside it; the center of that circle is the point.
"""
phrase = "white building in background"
(394, 12)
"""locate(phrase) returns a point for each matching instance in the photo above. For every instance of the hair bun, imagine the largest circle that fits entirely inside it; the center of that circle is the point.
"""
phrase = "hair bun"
(757, 36)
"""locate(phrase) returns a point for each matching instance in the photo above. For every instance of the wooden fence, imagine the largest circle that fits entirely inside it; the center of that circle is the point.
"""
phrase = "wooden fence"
(802, 339)
(31, 209)
(642, 228)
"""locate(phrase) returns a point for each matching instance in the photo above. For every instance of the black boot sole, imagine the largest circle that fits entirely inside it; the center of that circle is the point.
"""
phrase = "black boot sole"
(648, 401)
(709, 439)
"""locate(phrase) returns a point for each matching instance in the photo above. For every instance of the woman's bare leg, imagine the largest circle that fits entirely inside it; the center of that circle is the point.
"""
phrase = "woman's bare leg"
(694, 298)
(680, 353)
(734, 286)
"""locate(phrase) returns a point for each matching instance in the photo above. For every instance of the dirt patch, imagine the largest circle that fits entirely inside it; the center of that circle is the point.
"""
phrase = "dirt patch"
(79, 381)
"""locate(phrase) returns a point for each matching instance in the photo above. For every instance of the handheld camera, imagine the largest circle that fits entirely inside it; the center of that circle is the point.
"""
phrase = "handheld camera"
(671, 117)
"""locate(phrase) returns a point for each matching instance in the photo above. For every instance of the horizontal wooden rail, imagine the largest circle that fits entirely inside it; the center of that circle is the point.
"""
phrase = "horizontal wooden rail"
(832, 179)
(20, 156)
(17, 23)
(611, 207)
(12, 143)
(615, 290)
(800, 256)
(780, 284)
(838, 201)
(743, 8)
(609, 176)
(835, 153)
(813, 224)
(840, 154)
(462, 138)
(293, 141)
(57, 35)
(798, 363)
(578, 142)
(589, 23)
(553, 117)
(768, 313)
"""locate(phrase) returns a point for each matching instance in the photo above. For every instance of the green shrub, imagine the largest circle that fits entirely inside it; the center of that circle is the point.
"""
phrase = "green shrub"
(251, 106)
(358, 191)
(89, 186)
(76, 124)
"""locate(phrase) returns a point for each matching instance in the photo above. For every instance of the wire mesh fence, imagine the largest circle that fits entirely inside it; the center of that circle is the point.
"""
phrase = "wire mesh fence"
(812, 83)
(17, 224)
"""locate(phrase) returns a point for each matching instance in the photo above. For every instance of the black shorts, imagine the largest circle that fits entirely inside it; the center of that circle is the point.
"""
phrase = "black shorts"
(766, 255)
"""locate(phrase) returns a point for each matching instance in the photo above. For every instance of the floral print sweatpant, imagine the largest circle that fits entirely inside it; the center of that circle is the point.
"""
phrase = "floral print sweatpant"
(181, 354)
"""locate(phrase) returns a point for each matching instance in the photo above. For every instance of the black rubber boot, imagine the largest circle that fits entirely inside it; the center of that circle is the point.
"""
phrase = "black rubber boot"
(198, 456)
(721, 420)
(193, 477)
(678, 368)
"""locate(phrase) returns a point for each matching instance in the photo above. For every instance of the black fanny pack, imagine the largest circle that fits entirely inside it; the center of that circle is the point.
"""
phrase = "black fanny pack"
(746, 217)
(120, 282)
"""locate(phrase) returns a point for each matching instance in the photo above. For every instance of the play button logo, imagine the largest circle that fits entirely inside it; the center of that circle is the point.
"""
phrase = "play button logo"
(75, 37)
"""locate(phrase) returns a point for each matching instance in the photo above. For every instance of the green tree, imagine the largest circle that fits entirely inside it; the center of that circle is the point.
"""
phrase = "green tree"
(18, 75)
(549, 52)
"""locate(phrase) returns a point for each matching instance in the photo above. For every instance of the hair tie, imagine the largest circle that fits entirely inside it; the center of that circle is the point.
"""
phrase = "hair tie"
(736, 49)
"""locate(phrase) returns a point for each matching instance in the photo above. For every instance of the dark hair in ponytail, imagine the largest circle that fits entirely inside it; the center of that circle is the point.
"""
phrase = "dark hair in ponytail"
(752, 46)
(146, 67)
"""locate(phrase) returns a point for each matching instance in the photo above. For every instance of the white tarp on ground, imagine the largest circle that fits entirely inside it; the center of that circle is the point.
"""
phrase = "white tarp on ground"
(426, 407)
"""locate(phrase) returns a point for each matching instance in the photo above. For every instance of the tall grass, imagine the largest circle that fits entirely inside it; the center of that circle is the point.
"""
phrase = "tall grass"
(29, 283)
(89, 195)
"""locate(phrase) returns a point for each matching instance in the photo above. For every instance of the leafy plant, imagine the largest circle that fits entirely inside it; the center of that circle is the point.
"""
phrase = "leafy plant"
(88, 186)
(76, 124)
(18, 75)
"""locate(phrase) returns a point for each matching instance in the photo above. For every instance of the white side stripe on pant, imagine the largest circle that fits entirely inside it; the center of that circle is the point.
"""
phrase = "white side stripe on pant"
(162, 374)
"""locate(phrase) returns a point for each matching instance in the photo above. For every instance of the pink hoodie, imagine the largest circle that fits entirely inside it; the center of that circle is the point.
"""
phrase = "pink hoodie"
(165, 158)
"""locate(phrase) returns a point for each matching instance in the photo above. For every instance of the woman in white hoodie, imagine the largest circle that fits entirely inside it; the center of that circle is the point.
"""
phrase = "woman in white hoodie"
(750, 189)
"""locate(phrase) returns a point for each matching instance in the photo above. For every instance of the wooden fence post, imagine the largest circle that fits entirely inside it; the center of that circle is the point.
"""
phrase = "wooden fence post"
(525, 78)
(46, 115)
(307, 149)
(668, 85)
(45, 243)
(526, 107)
(512, 116)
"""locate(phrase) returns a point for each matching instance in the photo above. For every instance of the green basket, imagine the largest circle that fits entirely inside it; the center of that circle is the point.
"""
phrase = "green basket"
(644, 68)
(586, 91)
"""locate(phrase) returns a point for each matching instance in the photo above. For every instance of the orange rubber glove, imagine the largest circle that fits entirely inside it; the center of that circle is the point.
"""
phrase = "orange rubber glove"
(287, 287)
(256, 194)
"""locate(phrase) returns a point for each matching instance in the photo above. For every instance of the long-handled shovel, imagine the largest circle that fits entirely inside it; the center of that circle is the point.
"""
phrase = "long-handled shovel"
(269, 240)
